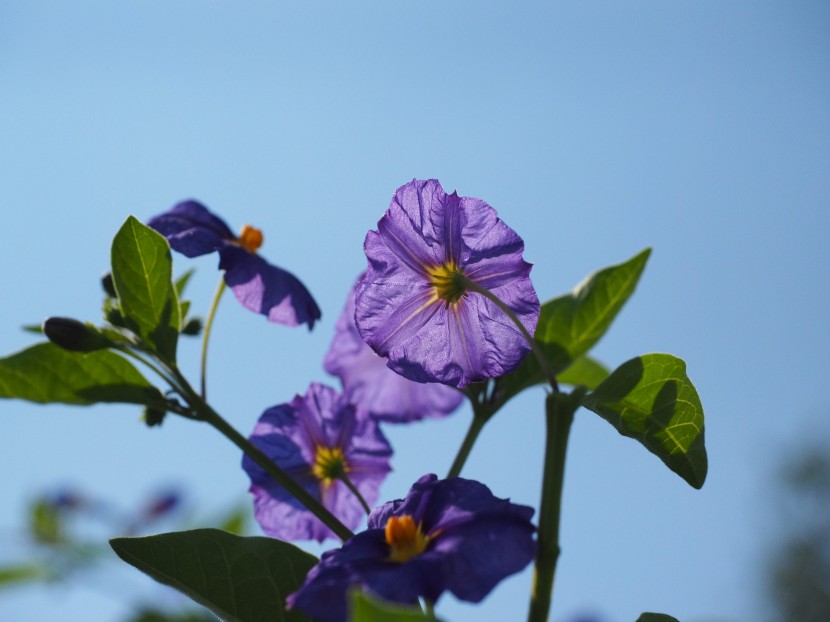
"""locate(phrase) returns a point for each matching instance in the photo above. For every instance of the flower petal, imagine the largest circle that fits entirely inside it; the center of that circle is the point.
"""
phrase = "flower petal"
(191, 229)
(266, 289)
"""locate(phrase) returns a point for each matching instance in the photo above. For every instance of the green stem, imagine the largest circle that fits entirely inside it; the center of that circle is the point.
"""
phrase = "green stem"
(429, 607)
(164, 374)
(537, 352)
(476, 425)
(207, 414)
(560, 409)
(353, 489)
(217, 296)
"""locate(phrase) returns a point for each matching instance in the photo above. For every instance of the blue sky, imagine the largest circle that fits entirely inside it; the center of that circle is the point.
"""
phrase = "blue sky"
(595, 129)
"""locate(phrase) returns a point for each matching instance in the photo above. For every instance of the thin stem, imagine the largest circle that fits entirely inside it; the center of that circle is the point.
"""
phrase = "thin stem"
(217, 296)
(353, 489)
(164, 374)
(560, 408)
(537, 352)
(429, 608)
(207, 414)
(476, 425)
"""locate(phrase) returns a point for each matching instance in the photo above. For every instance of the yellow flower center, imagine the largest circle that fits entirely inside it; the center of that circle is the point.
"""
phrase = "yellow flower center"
(449, 282)
(405, 538)
(329, 464)
(250, 239)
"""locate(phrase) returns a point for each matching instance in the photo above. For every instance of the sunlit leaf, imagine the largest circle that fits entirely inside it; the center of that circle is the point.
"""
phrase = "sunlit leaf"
(651, 399)
(142, 273)
(46, 373)
(571, 324)
(584, 371)
(238, 579)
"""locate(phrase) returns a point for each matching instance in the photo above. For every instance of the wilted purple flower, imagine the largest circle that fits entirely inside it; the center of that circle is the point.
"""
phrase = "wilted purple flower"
(261, 287)
(416, 306)
(445, 535)
(316, 439)
(371, 384)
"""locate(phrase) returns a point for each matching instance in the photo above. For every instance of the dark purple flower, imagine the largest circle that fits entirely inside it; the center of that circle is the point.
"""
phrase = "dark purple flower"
(416, 306)
(445, 535)
(370, 383)
(316, 438)
(261, 287)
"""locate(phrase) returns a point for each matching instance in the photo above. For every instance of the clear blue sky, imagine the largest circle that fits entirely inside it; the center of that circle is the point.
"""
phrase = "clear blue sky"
(597, 128)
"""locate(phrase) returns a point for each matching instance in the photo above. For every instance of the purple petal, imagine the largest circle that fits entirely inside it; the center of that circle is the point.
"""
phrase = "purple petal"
(191, 229)
(266, 289)
(371, 384)
(482, 552)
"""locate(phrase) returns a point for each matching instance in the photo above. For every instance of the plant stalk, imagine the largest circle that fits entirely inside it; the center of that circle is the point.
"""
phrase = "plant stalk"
(559, 411)
(214, 305)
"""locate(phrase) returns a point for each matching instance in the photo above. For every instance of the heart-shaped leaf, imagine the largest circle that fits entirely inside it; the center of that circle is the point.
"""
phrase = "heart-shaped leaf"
(239, 579)
(650, 398)
(46, 373)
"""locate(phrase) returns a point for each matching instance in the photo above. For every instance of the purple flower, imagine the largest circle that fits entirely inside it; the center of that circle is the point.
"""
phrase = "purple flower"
(445, 535)
(275, 293)
(371, 384)
(416, 305)
(317, 439)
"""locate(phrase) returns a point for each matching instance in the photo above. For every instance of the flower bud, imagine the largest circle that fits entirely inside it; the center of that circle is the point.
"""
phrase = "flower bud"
(73, 335)
(193, 327)
(154, 416)
(108, 285)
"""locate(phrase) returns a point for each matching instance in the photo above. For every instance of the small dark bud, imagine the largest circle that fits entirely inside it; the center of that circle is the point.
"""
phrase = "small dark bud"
(154, 416)
(113, 314)
(193, 327)
(108, 285)
(73, 335)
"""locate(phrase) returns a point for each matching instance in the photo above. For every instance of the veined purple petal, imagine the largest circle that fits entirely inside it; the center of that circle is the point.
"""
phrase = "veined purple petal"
(370, 383)
(266, 289)
(291, 435)
(412, 306)
(191, 229)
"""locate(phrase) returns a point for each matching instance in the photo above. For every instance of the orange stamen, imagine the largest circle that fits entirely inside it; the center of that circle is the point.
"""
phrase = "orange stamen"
(405, 538)
(250, 239)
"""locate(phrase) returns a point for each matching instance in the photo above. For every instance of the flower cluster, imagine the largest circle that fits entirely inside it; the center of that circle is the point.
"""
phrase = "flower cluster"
(438, 305)
(446, 535)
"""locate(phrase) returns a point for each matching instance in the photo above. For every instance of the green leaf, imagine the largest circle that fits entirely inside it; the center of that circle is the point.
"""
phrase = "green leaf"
(45, 523)
(584, 371)
(46, 373)
(571, 324)
(656, 617)
(183, 280)
(367, 609)
(238, 579)
(651, 399)
(142, 273)
(23, 573)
